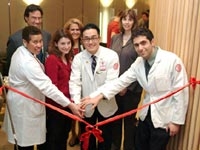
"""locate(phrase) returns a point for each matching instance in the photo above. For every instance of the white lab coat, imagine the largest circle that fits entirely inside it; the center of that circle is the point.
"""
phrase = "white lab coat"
(83, 82)
(166, 74)
(29, 118)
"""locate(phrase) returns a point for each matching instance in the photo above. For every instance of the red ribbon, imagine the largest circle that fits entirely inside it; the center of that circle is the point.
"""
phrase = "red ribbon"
(89, 128)
(194, 82)
(92, 129)
(47, 105)
(1, 89)
(86, 136)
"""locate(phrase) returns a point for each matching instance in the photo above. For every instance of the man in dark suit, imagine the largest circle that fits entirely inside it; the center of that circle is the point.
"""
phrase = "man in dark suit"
(33, 17)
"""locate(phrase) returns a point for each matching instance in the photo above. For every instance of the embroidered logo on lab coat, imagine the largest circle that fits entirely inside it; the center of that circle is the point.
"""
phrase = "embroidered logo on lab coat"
(102, 67)
(115, 66)
(178, 68)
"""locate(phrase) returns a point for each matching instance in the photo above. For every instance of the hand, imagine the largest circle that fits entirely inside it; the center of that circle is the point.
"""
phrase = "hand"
(173, 129)
(94, 101)
(76, 110)
(123, 92)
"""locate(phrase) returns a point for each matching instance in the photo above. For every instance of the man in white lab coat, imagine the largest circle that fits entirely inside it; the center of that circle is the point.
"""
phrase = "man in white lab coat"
(166, 73)
(84, 80)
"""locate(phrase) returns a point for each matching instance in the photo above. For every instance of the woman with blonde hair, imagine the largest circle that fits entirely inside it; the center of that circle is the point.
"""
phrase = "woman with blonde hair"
(74, 27)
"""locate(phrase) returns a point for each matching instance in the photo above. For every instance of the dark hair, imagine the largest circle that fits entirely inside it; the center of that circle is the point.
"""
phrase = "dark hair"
(90, 26)
(146, 14)
(28, 31)
(144, 32)
(132, 15)
(32, 8)
(60, 33)
(119, 13)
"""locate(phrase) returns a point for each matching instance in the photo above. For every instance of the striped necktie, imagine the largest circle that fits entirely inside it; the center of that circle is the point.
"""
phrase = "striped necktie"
(94, 63)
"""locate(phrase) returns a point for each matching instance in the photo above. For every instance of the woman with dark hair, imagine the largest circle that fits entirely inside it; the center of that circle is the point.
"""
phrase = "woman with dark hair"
(58, 68)
(127, 99)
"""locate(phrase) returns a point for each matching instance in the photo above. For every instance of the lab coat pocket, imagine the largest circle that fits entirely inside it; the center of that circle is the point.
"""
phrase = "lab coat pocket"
(161, 113)
(165, 114)
(162, 83)
(35, 110)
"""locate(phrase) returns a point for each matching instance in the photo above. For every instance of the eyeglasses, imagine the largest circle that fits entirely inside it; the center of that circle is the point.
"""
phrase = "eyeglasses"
(92, 39)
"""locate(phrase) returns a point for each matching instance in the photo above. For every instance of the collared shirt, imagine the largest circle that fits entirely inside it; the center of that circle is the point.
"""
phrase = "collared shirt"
(152, 58)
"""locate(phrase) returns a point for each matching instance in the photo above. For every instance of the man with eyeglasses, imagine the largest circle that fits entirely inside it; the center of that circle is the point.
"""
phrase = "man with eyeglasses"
(33, 17)
(160, 73)
(91, 68)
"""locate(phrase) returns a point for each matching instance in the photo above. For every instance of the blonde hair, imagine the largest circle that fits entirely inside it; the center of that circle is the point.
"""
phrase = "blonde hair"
(73, 21)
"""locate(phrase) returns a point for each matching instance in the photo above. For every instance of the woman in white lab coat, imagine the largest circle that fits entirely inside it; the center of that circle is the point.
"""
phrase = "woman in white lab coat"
(27, 75)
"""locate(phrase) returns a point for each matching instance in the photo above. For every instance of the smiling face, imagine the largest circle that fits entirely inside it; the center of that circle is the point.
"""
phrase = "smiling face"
(91, 40)
(143, 46)
(35, 44)
(74, 30)
(127, 23)
(64, 45)
(34, 19)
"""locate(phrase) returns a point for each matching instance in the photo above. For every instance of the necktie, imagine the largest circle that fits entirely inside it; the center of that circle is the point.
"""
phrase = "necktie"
(40, 56)
(94, 63)
(147, 68)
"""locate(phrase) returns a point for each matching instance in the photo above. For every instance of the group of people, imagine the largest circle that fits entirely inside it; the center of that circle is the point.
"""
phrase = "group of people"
(73, 72)
(40, 65)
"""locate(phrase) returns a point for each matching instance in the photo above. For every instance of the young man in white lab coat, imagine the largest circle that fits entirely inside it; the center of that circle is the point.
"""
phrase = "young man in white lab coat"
(167, 73)
(92, 68)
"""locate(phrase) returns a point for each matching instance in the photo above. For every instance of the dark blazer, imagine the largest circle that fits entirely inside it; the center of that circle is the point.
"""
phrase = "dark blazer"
(127, 55)
(15, 40)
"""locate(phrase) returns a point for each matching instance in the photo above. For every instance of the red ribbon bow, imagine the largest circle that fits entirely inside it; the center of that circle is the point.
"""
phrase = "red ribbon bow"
(85, 136)
(194, 82)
